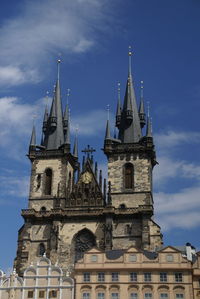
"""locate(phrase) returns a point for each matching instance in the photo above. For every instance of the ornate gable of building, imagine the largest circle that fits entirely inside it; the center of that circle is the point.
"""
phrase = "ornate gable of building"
(87, 191)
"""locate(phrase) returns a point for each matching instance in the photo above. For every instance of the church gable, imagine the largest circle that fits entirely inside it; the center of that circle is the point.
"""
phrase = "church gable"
(87, 191)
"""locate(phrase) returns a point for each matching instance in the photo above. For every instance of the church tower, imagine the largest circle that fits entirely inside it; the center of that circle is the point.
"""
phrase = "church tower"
(131, 158)
(71, 208)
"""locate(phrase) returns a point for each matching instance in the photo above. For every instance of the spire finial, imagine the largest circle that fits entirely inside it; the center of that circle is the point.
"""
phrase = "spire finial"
(142, 89)
(58, 62)
(129, 54)
(119, 90)
(68, 94)
(108, 112)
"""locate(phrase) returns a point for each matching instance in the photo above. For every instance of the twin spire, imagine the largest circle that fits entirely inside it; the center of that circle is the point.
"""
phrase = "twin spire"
(56, 125)
(129, 119)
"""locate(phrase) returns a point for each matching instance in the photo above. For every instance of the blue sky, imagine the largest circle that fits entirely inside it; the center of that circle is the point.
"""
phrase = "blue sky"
(92, 39)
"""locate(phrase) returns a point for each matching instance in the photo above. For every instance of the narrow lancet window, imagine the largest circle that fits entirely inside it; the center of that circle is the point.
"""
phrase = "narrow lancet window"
(41, 249)
(48, 181)
(128, 176)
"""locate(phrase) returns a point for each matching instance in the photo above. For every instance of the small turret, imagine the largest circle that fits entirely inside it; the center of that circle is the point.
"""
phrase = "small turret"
(142, 115)
(52, 116)
(149, 125)
(118, 112)
(45, 120)
(107, 135)
(75, 150)
(32, 144)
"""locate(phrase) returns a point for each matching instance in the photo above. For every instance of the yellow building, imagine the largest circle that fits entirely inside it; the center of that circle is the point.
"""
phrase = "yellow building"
(138, 274)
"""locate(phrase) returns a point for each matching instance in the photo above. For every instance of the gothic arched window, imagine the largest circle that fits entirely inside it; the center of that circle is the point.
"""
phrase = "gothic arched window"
(128, 176)
(48, 181)
(83, 241)
(41, 249)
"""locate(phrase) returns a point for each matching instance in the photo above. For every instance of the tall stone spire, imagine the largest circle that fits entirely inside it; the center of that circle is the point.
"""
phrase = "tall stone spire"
(129, 129)
(108, 135)
(54, 137)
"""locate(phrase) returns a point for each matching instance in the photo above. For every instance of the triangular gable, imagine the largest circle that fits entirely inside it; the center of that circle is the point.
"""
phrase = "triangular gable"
(133, 249)
(169, 249)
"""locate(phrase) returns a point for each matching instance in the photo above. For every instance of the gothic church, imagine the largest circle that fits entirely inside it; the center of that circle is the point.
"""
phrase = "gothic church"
(71, 208)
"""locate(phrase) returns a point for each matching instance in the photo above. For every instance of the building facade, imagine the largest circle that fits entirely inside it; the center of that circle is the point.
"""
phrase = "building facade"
(138, 274)
(71, 208)
(42, 280)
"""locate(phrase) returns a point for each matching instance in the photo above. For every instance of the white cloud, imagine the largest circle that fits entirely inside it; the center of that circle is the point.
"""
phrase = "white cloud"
(180, 209)
(45, 28)
(171, 139)
(13, 186)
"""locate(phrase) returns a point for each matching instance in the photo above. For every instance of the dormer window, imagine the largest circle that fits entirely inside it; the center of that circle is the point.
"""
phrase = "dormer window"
(128, 176)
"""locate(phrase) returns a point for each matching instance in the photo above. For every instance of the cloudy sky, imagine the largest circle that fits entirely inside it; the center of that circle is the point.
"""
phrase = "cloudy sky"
(92, 37)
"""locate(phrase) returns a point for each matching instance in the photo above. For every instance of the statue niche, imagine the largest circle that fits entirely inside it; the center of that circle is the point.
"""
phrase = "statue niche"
(83, 241)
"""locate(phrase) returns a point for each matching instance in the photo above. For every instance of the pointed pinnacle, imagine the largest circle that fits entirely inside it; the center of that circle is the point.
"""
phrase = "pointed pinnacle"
(33, 137)
(75, 150)
(108, 136)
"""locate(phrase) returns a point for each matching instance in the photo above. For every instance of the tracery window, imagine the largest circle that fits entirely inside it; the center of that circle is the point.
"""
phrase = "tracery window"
(48, 181)
(128, 176)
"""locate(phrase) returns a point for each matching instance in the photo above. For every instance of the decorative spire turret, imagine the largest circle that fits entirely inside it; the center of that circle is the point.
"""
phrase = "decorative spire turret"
(141, 108)
(108, 135)
(129, 129)
(149, 124)
(75, 150)
(118, 112)
(32, 144)
(45, 120)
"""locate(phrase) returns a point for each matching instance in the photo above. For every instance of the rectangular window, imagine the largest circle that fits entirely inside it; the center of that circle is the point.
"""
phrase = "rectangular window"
(133, 276)
(163, 296)
(101, 276)
(86, 296)
(179, 296)
(114, 296)
(148, 295)
(41, 294)
(30, 294)
(100, 296)
(133, 296)
(132, 258)
(178, 277)
(169, 258)
(163, 277)
(94, 258)
(86, 277)
(53, 294)
(115, 277)
(147, 277)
